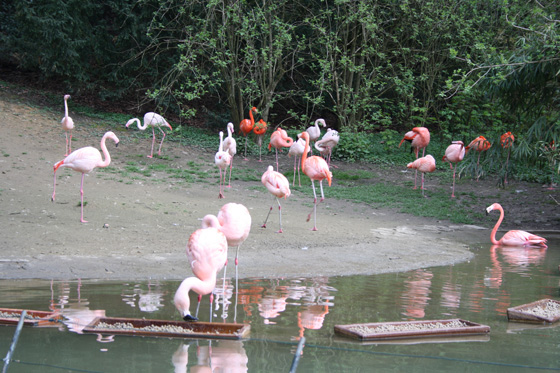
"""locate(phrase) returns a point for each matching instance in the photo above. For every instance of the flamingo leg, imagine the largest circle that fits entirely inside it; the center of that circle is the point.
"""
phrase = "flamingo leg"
(415, 171)
(153, 141)
(298, 174)
(245, 154)
(163, 138)
(82, 197)
(230, 167)
(221, 194)
(314, 207)
(477, 167)
(265, 220)
(276, 160)
(211, 304)
(54, 187)
(260, 151)
(507, 159)
(279, 215)
(224, 315)
(295, 166)
(453, 190)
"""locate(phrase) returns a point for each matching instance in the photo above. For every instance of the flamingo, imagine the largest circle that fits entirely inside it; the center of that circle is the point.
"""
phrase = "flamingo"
(279, 187)
(316, 168)
(222, 160)
(506, 140)
(327, 143)
(207, 255)
(454, 154)
(480, 144)
(84, 160)
(514, 237)
(279, 139)
(230, 146)
(260, 129)
(419, 138)
(314, 131)
(424, 164)
(67, 125)
(296, 150)
(153, 120)
(246, 126)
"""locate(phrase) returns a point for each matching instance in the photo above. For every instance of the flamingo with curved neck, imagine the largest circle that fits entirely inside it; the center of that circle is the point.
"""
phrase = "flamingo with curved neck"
(67, 125)
(153, 120)
(246, 126)
(279, 139)
(314, 131)
(84, 160)
(514, 237)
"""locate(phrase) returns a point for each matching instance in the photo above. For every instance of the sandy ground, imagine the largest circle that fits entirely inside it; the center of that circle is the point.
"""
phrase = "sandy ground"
(138, 228)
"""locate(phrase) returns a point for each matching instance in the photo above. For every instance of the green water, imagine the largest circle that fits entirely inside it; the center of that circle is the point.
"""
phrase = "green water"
(282, 310)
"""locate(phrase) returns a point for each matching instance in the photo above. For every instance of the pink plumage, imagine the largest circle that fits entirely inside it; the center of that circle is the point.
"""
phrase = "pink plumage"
(419, 138)
(278, 140)
(423, 164)
(514, 237)
(454, 154)
(278, 186)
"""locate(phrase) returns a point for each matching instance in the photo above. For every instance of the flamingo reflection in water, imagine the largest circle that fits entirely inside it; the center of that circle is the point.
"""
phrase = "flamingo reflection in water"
(226, 356)
(150, 300)
(417, 293)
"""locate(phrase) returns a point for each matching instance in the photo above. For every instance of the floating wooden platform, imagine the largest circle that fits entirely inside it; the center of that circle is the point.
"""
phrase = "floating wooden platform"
(523, 312)
(11, 316)
(411, 329)
(167, 328)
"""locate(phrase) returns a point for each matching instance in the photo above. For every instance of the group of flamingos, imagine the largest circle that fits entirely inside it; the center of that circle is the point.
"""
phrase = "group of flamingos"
(207, 247)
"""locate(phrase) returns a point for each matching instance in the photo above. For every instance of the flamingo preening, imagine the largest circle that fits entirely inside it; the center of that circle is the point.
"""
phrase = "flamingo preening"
(279, 187)
(506, 141)
(423, 164)
(480, 144)
(246, 126)
(279, 139)
(419, 138)
(327, 143)
(153, 120)
(260, 129)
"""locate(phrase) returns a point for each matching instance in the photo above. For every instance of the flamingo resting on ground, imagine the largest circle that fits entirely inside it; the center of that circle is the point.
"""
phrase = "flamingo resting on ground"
(230, 146)
(423, 164)
(316, 168)
(315, 132)
(260, 129)
(207, 255)
(480, 144)
(246, 126)
(84, 160)
(279, 139)
(454, 154)
(327, 143)
(419, 138)
(514, 237)
(296, 150)
(222, 160)
(506, 140)
(67, 125)
(153, 120)
(279, 187)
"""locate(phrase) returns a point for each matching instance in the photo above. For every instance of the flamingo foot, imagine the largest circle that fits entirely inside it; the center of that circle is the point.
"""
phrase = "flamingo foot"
(221, 195)
(83, 221)
(309, 218)
(415, 188)
(189, 318)
(150, 156)
(314, 229)
(280, 231)
(263, 226)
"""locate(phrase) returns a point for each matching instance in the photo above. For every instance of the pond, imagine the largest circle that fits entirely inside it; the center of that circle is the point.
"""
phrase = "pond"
(281, 310)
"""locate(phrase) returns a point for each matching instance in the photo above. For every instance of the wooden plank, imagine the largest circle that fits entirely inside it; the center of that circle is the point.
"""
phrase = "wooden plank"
(541, 311)
(11, 316)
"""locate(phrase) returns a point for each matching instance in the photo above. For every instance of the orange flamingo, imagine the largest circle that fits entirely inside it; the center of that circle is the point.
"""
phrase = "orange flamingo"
(207, 255)
(454, 154)
(279, 139)
(315, 132)
(84, 160)
(514, 237)
(316, 168)
(260, 129)
(230, 146)
(506, 140)
(296, 150)
(222, 160)
(67, 125)
(423, 164)
(278, 186)
(246, 126)
(419, 138)
(153, 120)
(480, 144)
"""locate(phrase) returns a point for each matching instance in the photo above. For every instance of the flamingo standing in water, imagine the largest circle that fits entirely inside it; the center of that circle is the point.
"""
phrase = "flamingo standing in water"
(246, 126)
(316, 168)
(67, 125)
(454, 154)
(279, 187)
(230, 146)
(423, 164)
(207, 255)
(153, 120)
(514, 237)
(260, 129)
(327, 143)
(480, 144)
(314, 131)
(506, 140)
(279, 139)
(419, 138)
(84, 160)
(296, 150)
(222, 160)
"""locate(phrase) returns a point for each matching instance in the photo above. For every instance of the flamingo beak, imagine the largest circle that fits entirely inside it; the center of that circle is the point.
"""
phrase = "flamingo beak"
(190, 318)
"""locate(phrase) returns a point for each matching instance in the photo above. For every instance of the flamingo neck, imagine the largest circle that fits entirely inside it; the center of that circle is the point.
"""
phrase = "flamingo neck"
(211, 221)
(251, 116)
(107, 160)
(65, 108)
(493, 233)
(305, 151)
(182, 300)
(141, 126)
(221, 141)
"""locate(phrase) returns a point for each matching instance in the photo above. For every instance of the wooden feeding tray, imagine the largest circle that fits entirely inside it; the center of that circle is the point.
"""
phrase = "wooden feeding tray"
(411, 329)
(167, 328)
(544, 310)
(11, 316)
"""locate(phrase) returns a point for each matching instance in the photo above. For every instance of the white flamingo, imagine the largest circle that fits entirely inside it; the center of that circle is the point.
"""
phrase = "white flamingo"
(153, 120)
(315, 132)
(67, 126)
(230, 146)
(222, 160)
(296, 150)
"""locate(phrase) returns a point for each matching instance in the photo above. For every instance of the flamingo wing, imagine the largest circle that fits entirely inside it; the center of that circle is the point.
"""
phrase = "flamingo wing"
(522, 238)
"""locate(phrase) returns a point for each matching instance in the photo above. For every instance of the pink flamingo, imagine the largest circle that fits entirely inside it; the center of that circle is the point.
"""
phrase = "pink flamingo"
(327, 143)
(316, 168)
(278, 186)
(454, 154)
(230, 146)
(153, 120)
(419, 138)
(315, 132)
(514, 237)
(207, 255)
(222, 160)
(279, 139)
(480, 144)
(423, 164)
(506, 140)
(246, 126)
(296, 150)
(260, 129)
(84, 160)
(67, 125)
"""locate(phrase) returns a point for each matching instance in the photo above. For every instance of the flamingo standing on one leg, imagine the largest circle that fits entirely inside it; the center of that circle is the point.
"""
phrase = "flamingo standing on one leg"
(207, 255)
(514, 237)
(67, 125)
(315, 132)
(260, 129)
(454, 154)
(246, 126)
(316, 168)
(419, 138)
(480, 144)
(327, 143)
(153, 120)
(230, 146)
(279, 139)
(423, 164)
(506, 140)
(296, 150)
(279, 186)
(84, 160)
(222, 160)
